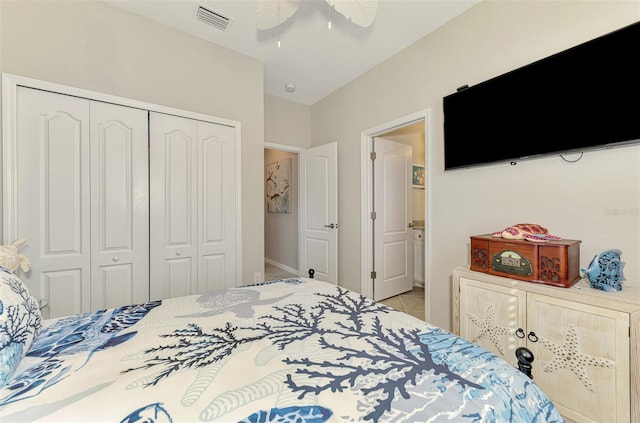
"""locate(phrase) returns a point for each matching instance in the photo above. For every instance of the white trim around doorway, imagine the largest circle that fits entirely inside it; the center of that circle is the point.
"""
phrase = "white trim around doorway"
(283, 147)
(366, 200)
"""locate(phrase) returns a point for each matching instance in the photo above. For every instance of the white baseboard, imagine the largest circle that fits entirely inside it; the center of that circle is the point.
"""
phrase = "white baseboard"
(281, 266)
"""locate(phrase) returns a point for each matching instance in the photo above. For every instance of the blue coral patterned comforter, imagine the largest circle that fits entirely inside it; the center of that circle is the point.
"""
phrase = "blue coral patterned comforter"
(296, 350)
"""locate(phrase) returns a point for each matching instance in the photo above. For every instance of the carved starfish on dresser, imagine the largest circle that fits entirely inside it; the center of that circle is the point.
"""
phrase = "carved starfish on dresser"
(567, 356)
(487, 328)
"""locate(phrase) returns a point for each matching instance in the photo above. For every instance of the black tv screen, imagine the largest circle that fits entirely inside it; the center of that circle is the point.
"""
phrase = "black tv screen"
(582, 98)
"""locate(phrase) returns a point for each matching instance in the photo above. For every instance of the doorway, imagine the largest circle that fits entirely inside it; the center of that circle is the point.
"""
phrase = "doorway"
(281, 211)
(411, 130)
(313, 199)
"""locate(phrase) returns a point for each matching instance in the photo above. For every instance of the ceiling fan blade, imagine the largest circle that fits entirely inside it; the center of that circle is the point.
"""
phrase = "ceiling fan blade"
(272, 13)
(360, 12)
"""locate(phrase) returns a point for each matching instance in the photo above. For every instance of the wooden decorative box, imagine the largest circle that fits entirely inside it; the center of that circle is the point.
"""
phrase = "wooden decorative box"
(552, 263)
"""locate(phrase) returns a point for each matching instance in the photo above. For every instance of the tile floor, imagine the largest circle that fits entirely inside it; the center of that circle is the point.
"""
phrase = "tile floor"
(272, 272)
(411, 302)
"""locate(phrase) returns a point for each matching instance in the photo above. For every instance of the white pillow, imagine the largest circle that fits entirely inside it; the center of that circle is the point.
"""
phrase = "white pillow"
(20, 322)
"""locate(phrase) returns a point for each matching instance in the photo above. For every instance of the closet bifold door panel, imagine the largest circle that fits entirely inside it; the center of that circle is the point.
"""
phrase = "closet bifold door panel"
(119, 205)
(216, 207)
(192, 206)
(82, 201)
(173, 214)
(53, 198)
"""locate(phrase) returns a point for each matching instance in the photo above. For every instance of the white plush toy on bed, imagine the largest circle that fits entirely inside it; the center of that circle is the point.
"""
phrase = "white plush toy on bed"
(11, 259)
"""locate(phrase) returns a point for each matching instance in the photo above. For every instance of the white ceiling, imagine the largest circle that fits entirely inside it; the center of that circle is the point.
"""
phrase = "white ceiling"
(318, 60)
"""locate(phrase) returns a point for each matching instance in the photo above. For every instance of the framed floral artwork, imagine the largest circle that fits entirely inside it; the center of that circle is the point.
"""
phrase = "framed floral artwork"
(277, 186)
(417, 176)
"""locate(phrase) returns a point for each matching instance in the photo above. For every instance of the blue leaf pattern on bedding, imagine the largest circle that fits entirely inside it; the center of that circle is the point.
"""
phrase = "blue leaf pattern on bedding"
(34, 380)
(309, 414)
(20, 322)
(152, 413)
(290, 351)
(89, 331)
(82, 333)
(386, 373)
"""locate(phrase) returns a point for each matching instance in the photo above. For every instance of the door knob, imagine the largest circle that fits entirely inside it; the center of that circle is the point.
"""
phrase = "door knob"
(178, 252)
(332, 225)
(115, 258)
(410, 225)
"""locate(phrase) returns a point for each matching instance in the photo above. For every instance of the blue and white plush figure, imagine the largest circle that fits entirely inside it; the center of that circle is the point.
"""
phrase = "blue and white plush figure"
(605, 271)
(20, 322)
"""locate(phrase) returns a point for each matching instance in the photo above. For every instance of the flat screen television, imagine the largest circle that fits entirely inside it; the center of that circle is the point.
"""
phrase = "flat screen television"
(582, 98)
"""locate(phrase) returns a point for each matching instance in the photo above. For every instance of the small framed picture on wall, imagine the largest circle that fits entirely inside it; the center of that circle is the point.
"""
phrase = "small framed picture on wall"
(417, 176)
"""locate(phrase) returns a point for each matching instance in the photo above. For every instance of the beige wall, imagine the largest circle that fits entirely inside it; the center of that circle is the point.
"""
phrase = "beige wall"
(595, 200)
(286, 122)
(98, 47)
(281, 229)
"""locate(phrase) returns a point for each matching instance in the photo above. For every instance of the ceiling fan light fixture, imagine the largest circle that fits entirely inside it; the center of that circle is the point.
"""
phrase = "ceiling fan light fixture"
(272, 13)
(361, 12)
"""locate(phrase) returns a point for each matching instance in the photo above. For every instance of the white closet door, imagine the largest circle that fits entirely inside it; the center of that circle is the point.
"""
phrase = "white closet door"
(52, 196)
(173, 194)
(119, 205)
(216, 207)
(193, 206)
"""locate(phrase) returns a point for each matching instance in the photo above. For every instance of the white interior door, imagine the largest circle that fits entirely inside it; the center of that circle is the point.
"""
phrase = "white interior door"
(82, 201)
(318, 245)
(393, 240)
(216, 207)
(52, 198)
(193, 206)
(119, 205)
(173, 214)
(80, 187)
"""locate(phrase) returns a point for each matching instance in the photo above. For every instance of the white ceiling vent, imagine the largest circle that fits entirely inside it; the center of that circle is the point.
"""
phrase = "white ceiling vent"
(213, 18)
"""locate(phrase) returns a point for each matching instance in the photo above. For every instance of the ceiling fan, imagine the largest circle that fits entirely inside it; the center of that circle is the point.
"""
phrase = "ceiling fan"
(272, 13)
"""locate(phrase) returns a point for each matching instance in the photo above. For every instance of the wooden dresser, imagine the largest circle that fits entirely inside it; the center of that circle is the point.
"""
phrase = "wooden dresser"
(586, 342)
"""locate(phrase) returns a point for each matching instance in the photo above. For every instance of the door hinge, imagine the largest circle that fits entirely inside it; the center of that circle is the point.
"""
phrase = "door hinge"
(373, 215)
(373, 155)
(373, 274)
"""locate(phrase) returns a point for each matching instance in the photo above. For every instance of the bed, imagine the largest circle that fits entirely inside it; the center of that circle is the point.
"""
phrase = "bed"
(292, 350)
